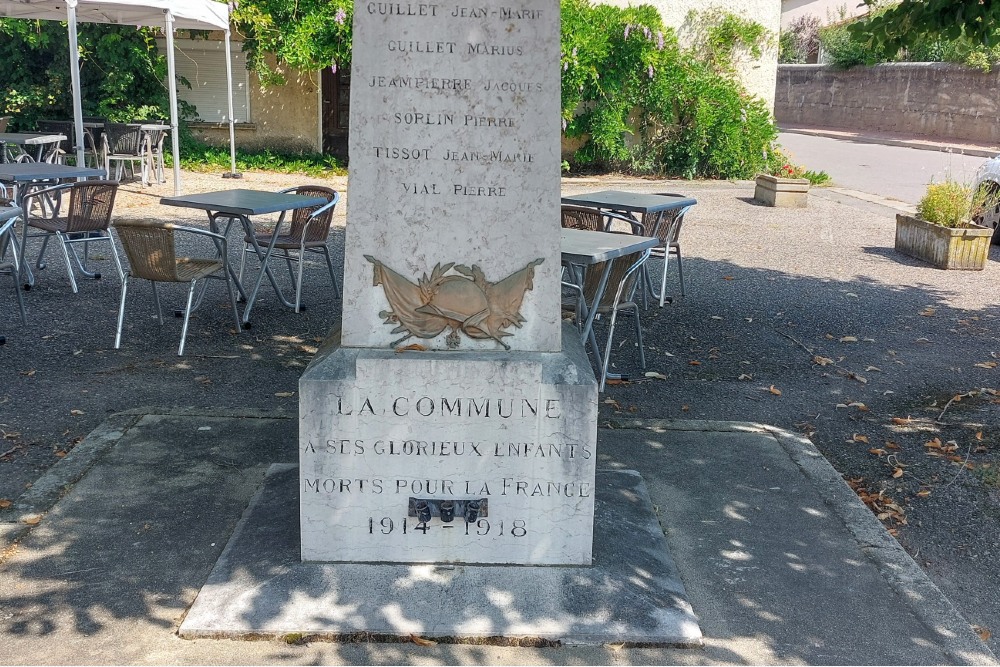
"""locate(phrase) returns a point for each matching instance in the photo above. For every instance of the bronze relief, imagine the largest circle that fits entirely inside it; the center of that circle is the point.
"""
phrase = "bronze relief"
(465, 301)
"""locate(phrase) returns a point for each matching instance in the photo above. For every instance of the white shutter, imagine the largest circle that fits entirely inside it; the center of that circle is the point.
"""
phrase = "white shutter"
(203, 63)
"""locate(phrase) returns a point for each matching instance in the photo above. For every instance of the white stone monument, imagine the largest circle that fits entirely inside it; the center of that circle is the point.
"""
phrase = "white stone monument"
(454, 422)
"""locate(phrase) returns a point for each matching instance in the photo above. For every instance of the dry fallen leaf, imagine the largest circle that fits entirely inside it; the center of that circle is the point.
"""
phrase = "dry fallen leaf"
(898, 472)
(694, 363)
(59, 453)
(849, 339)
(933, 444)
(654, 374)
(979, 435)
(33, 520)
(900, 421)
(986, 364)
(889, 444)
(420, 641)
(860, 438)
(923, 493)
(284, 394)
(984, 633)
(858, 405)
(928, 311)
(822, 361)
(716, 317)
(4, 503)
(774, 390)
(873, 368)
(728, 277)
(412, 347)
(611, 401)
(877, 451)
(29, 374)
(744, 376)
(76, 413)
(685, 408)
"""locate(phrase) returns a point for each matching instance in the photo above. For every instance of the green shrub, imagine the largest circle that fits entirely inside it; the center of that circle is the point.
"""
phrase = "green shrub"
(950, 204)
(645, 105)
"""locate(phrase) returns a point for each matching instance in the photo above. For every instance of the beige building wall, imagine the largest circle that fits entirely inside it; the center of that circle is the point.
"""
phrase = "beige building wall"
(828, 11)
(282, 118)
(758, 75)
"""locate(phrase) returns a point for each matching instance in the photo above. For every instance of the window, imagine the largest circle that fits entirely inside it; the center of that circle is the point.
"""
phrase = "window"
(203, 63)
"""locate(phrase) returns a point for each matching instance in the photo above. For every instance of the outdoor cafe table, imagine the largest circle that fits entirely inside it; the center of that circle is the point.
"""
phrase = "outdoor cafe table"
(21, 174)
(40, 140)
(241, 205)
(636, 204)
(582, 248)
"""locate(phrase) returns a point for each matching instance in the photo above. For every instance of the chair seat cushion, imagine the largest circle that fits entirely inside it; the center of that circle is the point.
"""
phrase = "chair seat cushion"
(285, 242)
(195, 268)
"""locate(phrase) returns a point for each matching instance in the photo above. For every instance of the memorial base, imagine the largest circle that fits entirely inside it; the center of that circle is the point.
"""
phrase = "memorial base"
(259, 588)
(448, 457)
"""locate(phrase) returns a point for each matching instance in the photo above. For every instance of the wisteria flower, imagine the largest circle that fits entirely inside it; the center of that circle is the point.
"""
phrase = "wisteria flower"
(628, 29)
(651, 71)
(340, 16)
(659, 40)
(333, 68)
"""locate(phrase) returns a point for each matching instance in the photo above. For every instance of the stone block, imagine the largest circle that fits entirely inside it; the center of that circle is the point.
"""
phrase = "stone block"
(782, 192)
(382, 432)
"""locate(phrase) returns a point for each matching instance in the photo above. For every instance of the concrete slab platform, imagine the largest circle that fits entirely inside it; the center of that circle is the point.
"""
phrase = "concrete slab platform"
(632, 594)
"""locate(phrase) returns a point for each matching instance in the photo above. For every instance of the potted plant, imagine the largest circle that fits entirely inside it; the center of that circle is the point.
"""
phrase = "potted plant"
(942, 233)
(788, 185)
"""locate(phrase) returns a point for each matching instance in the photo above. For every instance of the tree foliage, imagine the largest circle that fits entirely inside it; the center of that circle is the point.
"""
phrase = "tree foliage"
(121, 74)
(306, 34)
(911, 22)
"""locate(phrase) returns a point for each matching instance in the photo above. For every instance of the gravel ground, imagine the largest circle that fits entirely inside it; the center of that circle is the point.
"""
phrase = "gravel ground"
(803, 319)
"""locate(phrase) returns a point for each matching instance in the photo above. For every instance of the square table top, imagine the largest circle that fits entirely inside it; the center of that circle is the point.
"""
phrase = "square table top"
(617, 200)
(30, 138)
(22, 172)
(581, 246)
(243, 202)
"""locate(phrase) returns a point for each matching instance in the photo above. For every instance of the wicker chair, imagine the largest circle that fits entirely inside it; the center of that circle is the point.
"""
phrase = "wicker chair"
(153, 149)
(619, 294)
(86, 221)
(310, 229)
(123, 143)
(152, 255)
(4, 120)
(65, 147)
(668, 231)
(8, 215)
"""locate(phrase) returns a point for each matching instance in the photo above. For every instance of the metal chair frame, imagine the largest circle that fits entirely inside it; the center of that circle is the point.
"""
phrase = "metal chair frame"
(65, 149)
(13, 266)
(668, 231)
(124, 143)
(78, 227)
(624, 299)
(133, 234)
(298, 236)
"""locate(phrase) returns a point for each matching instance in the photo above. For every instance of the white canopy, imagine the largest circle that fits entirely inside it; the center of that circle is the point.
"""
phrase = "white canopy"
(169, 15)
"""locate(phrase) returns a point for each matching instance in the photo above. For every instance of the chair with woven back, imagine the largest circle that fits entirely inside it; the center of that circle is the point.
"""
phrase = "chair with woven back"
(86, 219)
(151, 248)
(122, 143)
(65, 148)
(619, 295)
(4, 121)
(309, 232)
(668, 231)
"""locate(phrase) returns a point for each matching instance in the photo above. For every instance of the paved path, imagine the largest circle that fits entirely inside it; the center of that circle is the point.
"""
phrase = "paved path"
(782, 562)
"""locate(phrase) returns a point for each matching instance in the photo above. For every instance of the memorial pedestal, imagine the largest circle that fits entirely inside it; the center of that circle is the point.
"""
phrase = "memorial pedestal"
(448, 457)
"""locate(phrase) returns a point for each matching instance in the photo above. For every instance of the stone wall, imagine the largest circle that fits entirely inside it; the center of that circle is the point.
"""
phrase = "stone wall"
(938, 100)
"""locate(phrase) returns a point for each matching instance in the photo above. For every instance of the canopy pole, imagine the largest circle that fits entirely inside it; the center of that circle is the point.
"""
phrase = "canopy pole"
(74, 73)
(232, 129)
(175, 140)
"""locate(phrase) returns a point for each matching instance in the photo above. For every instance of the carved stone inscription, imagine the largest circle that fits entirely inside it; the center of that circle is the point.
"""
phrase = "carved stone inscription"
(495, 435)
(454, 149)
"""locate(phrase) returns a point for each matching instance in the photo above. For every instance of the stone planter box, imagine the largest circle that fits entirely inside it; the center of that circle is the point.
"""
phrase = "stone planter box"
(785, 192)
(944, 247)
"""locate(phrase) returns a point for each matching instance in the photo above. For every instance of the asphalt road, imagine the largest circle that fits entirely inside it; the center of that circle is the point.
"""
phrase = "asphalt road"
(892, 172)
